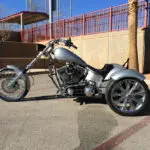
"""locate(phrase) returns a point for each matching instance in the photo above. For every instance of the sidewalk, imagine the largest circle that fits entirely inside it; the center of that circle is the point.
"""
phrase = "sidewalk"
(40, 122)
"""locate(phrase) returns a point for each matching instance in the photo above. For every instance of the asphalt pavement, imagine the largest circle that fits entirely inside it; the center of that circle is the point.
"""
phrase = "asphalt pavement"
(43, 121)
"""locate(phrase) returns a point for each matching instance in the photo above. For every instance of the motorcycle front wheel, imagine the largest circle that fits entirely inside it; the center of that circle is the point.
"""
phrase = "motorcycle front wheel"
(128, 96)
(15, 92)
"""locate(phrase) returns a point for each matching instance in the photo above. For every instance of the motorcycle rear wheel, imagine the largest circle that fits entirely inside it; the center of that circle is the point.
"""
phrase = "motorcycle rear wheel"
(128, 96)
(16, 91)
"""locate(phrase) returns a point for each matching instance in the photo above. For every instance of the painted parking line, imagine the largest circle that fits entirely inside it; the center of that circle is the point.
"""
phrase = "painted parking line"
(118, 139)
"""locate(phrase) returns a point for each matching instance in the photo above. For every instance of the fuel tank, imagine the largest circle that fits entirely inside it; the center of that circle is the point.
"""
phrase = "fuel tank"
(62, 54)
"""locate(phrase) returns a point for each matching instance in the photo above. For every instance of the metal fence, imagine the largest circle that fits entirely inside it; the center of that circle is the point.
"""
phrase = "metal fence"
(106, 20)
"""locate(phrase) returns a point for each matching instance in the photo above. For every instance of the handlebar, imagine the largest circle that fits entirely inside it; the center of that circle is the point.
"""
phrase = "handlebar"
(75, 47)
(67, 43)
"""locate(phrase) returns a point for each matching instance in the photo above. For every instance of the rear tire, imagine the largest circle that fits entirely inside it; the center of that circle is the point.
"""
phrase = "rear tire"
(124, 103)
(8, 93)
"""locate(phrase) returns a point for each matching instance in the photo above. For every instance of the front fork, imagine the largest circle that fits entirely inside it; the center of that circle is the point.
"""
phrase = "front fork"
(16, 78)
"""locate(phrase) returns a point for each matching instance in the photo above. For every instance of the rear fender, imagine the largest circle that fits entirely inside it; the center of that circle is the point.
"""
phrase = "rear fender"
(125, 73)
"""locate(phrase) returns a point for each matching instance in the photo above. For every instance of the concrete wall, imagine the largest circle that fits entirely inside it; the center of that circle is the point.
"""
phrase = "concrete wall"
(12, 36)
(20, 54)
(103, 48)
(96, 50)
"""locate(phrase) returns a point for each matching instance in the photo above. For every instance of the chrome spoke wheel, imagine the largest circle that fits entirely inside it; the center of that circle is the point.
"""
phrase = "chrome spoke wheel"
(128, 95)
(15, 91)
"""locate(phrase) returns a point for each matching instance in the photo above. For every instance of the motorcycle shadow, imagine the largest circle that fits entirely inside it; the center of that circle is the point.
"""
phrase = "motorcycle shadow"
(43, 98)
(90, 100)
(81, 100)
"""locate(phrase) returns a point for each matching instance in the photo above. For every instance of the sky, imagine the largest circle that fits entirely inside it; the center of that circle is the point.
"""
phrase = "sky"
(83, 6)
(78, 6)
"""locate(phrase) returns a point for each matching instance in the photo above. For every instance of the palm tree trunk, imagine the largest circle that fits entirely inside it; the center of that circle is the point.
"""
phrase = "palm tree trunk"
(132, 26)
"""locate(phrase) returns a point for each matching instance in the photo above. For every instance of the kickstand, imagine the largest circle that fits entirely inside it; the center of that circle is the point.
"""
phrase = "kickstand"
(57, 93)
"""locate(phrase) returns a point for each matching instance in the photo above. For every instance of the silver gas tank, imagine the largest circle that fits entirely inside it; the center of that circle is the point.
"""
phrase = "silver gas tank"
(63, 54)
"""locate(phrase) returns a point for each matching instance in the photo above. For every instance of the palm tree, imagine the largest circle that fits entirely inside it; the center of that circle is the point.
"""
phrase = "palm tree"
(132, 25)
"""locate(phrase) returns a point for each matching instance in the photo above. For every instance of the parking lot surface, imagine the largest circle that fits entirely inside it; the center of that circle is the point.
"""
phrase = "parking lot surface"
(43, 121)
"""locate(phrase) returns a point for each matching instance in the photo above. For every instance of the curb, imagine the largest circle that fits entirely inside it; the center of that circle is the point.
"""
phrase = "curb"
(37, 73)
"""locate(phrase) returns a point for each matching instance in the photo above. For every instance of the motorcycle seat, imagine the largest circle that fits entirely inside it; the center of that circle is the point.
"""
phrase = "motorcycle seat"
(104, 71)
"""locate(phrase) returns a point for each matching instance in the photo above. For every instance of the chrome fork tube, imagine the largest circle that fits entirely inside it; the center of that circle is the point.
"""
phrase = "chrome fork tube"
(27, 67)
(33, 61)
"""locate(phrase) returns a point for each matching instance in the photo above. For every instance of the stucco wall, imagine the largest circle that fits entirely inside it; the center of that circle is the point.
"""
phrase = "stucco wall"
(109, 47)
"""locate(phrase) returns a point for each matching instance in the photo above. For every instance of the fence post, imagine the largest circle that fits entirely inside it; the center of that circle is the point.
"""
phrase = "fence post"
(32, 34)
(110, 19)
(146, 14)
(50, 30)
(45, 31)
(83, 27)
(22, 35)
(64, 28)
(28, 36)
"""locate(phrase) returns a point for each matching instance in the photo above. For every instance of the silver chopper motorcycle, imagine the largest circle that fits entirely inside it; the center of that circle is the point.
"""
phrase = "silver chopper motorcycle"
(125, 90)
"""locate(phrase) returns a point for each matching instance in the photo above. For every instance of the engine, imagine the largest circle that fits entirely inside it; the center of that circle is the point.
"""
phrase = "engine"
(71, 74)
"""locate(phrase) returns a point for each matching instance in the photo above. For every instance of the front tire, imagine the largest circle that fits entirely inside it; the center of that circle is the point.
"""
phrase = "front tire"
(17, 91)
(128, 96)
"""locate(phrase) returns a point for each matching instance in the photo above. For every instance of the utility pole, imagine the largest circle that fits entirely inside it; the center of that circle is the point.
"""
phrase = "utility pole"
(70, 8)
(50, 11)
(26, 5)
(58, 10)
